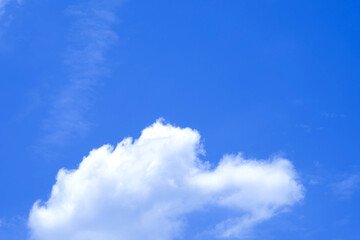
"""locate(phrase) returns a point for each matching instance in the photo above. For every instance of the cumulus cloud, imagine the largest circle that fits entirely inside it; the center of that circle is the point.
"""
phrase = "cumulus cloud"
(145, 188)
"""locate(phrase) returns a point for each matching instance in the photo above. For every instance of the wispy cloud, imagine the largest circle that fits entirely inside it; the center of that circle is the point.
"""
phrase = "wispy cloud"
(347, 186)
(333, 115)
(13, 223)
(4, 3)
(89, 38)
(305, 127)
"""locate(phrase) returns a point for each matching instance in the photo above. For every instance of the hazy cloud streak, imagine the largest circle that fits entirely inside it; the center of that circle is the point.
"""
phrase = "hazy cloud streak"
(347, 187)
(89, 39)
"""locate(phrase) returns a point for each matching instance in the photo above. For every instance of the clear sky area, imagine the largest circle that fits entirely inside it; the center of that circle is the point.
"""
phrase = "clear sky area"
(166, 120)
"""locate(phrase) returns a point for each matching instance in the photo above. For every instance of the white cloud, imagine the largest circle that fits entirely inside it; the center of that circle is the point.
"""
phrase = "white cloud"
(144, 189)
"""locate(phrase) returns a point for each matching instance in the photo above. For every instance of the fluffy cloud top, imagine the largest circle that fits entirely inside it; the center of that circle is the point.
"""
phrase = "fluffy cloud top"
(145, 188)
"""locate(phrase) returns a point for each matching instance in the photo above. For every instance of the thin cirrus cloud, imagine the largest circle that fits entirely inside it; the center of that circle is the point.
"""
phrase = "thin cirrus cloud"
(89, 38)
(347, 187)
(3, 4)
(148, 187)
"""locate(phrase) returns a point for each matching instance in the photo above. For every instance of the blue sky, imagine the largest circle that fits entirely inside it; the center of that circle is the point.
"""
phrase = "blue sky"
(264, 78)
